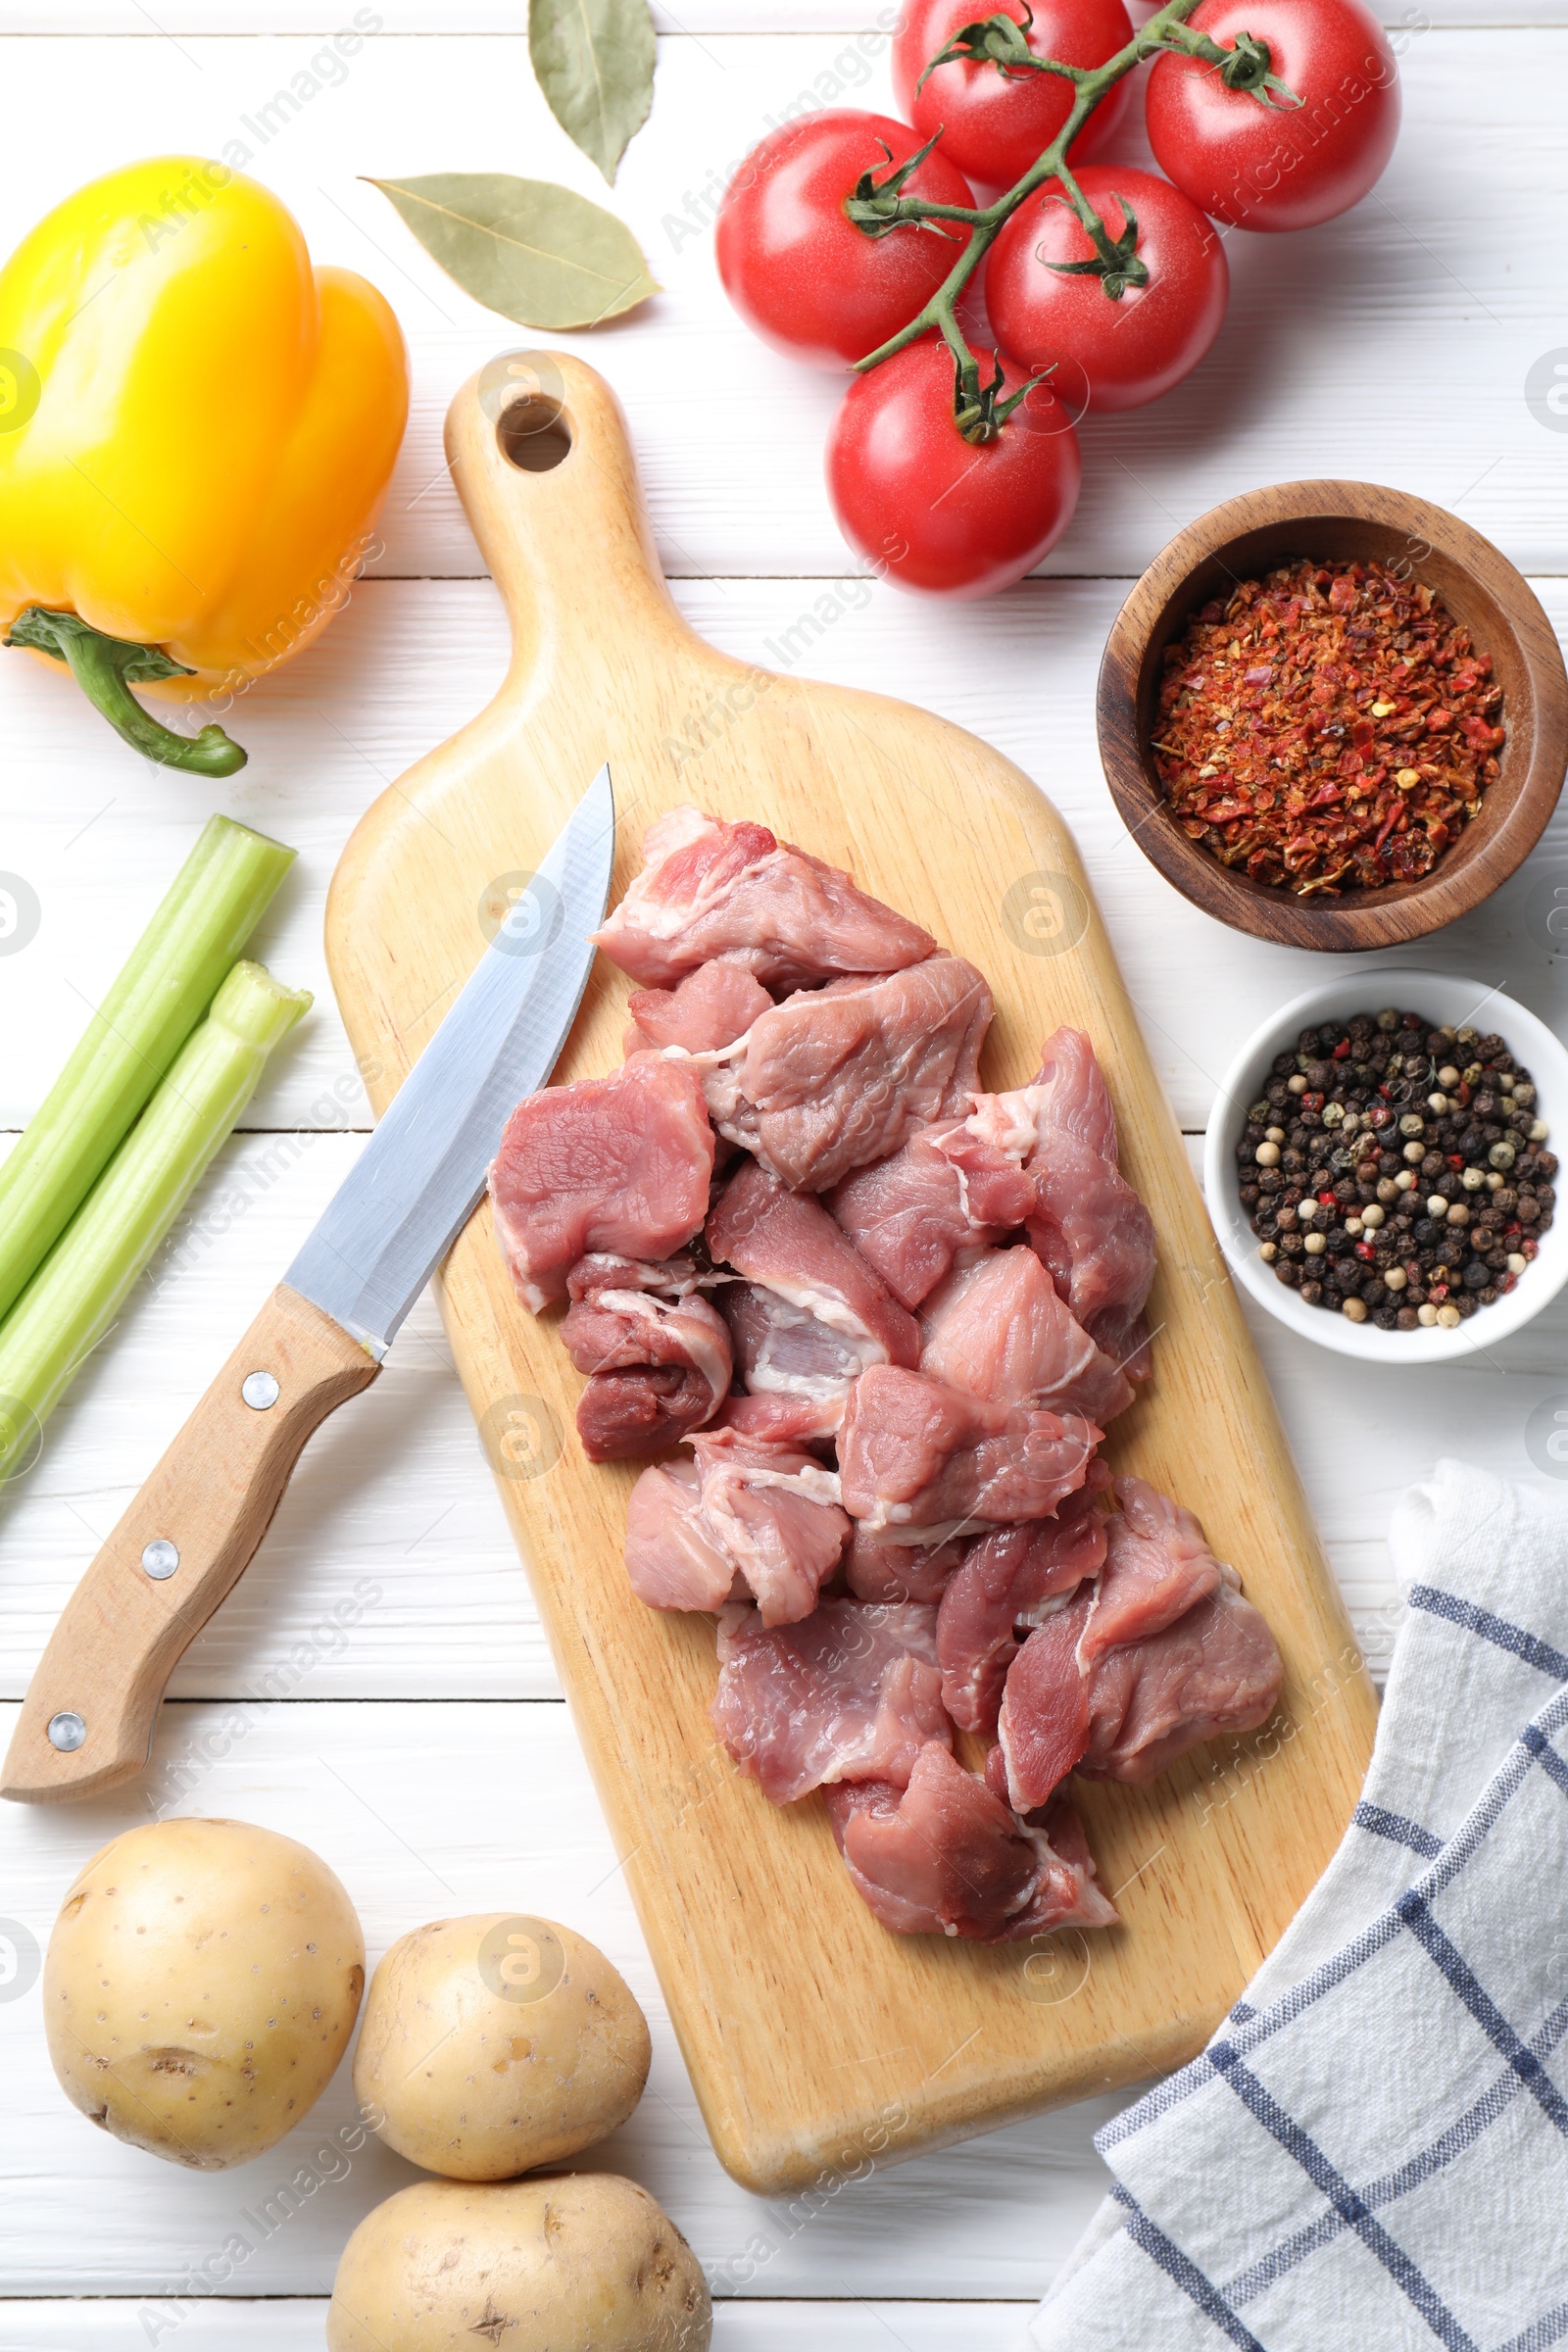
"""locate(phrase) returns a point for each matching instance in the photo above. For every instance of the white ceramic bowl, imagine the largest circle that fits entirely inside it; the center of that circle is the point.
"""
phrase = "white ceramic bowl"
(1445, 999)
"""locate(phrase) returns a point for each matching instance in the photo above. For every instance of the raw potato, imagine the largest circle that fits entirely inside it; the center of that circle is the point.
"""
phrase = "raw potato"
(201, 1985)
(560, 2265)
(495, 2045)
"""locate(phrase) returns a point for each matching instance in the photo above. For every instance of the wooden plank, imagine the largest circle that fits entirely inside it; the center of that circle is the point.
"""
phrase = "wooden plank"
(942, 828)
(1419, 290)
(98, 833)
(296, 2327)
(690, 21)
(427, 1810)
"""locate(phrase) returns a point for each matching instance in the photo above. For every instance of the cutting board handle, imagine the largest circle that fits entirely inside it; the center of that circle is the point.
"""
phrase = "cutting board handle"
(538, 449)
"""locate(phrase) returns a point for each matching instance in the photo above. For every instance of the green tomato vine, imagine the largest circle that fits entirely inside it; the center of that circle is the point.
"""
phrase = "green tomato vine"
(878, 206)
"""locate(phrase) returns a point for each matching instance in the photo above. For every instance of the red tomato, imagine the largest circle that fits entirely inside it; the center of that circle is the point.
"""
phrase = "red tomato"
(800, 273)
(924, 506)
(994, 125)
(1276, 166)
(1108, 354)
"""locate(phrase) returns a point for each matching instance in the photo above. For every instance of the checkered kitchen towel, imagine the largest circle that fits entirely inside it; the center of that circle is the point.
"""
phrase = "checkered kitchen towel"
(1372, 2153)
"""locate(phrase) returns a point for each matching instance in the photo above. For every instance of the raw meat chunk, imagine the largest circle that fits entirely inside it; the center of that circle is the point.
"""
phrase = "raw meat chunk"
(1216, 1668)
(998, 1329)
(658, 1365)
(712, 889)
(1187, 1659)
(812, 1315)
(946, 1195)
(918, 1457)
(1088, 1224)
(781, 1419)
(1157, 1566)
(713, 1007)
(950, 1857)
(851, 1693)
(838, 1076)
(674, 1560)
(876, 1570)
(624, 1416)
(621, 1163)
(783, 1350)
(747, 1515)
(1010, 1577)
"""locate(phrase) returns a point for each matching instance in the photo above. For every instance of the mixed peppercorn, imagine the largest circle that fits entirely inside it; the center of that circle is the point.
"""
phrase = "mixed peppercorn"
(1397, 1172)
(1329, 728)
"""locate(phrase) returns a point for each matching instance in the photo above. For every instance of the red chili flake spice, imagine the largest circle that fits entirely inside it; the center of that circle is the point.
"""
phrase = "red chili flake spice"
(1329, 728)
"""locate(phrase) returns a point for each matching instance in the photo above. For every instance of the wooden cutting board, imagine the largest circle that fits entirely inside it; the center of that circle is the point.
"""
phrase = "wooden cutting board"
(818, 2041)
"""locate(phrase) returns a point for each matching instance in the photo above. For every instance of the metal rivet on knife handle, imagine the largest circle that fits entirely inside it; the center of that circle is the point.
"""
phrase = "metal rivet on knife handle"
(67, 1731)
(260, 1390)
(161, 1557)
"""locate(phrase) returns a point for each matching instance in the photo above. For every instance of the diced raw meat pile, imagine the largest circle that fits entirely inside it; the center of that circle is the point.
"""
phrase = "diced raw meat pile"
(874, 1323)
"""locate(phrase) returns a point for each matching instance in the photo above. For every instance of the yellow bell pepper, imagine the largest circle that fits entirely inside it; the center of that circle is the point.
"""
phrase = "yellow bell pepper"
(196, 429)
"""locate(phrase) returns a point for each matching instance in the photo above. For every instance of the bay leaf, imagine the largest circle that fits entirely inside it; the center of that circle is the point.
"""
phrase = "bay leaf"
(594, 64)
(526, 248)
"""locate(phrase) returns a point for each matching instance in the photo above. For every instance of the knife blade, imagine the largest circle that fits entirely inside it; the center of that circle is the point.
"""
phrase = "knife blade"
(91, 1710)
(419, 1179)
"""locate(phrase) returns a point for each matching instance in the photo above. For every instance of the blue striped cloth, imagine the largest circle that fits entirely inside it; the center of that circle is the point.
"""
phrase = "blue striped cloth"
(1372, 2153)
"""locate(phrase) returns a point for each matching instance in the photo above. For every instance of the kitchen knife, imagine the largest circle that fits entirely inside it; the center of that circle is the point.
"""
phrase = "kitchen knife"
(90, 1712)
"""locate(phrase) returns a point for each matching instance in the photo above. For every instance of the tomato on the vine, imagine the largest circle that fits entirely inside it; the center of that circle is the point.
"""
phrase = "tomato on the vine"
(1108, 353)
(1256, 161)
(994, 125)
(799, 270)
(935, 512)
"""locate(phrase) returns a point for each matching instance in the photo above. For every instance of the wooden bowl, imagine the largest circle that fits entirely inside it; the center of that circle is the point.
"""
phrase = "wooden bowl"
(1335, 522)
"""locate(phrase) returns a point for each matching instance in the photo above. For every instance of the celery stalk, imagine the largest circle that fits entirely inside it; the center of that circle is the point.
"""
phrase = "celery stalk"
(210, 909)
(80, 1288)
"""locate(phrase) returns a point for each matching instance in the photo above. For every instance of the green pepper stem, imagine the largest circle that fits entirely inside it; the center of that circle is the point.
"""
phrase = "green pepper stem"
(104, 667)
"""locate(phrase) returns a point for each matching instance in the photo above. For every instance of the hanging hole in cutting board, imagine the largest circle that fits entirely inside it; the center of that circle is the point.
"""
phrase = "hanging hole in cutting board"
(534, 435)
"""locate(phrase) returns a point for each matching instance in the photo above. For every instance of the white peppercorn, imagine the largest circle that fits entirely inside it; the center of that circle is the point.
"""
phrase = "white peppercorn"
(1450, 1317)
(1427, 1314)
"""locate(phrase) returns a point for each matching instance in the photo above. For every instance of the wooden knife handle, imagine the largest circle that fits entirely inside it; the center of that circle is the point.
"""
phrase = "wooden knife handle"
(88, 1718)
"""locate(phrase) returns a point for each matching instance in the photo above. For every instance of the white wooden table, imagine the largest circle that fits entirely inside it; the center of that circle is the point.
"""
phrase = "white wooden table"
(422, 1746)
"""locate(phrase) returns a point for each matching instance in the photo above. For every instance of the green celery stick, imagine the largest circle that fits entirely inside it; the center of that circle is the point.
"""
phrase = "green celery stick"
(210, 909)
(80, 1288)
